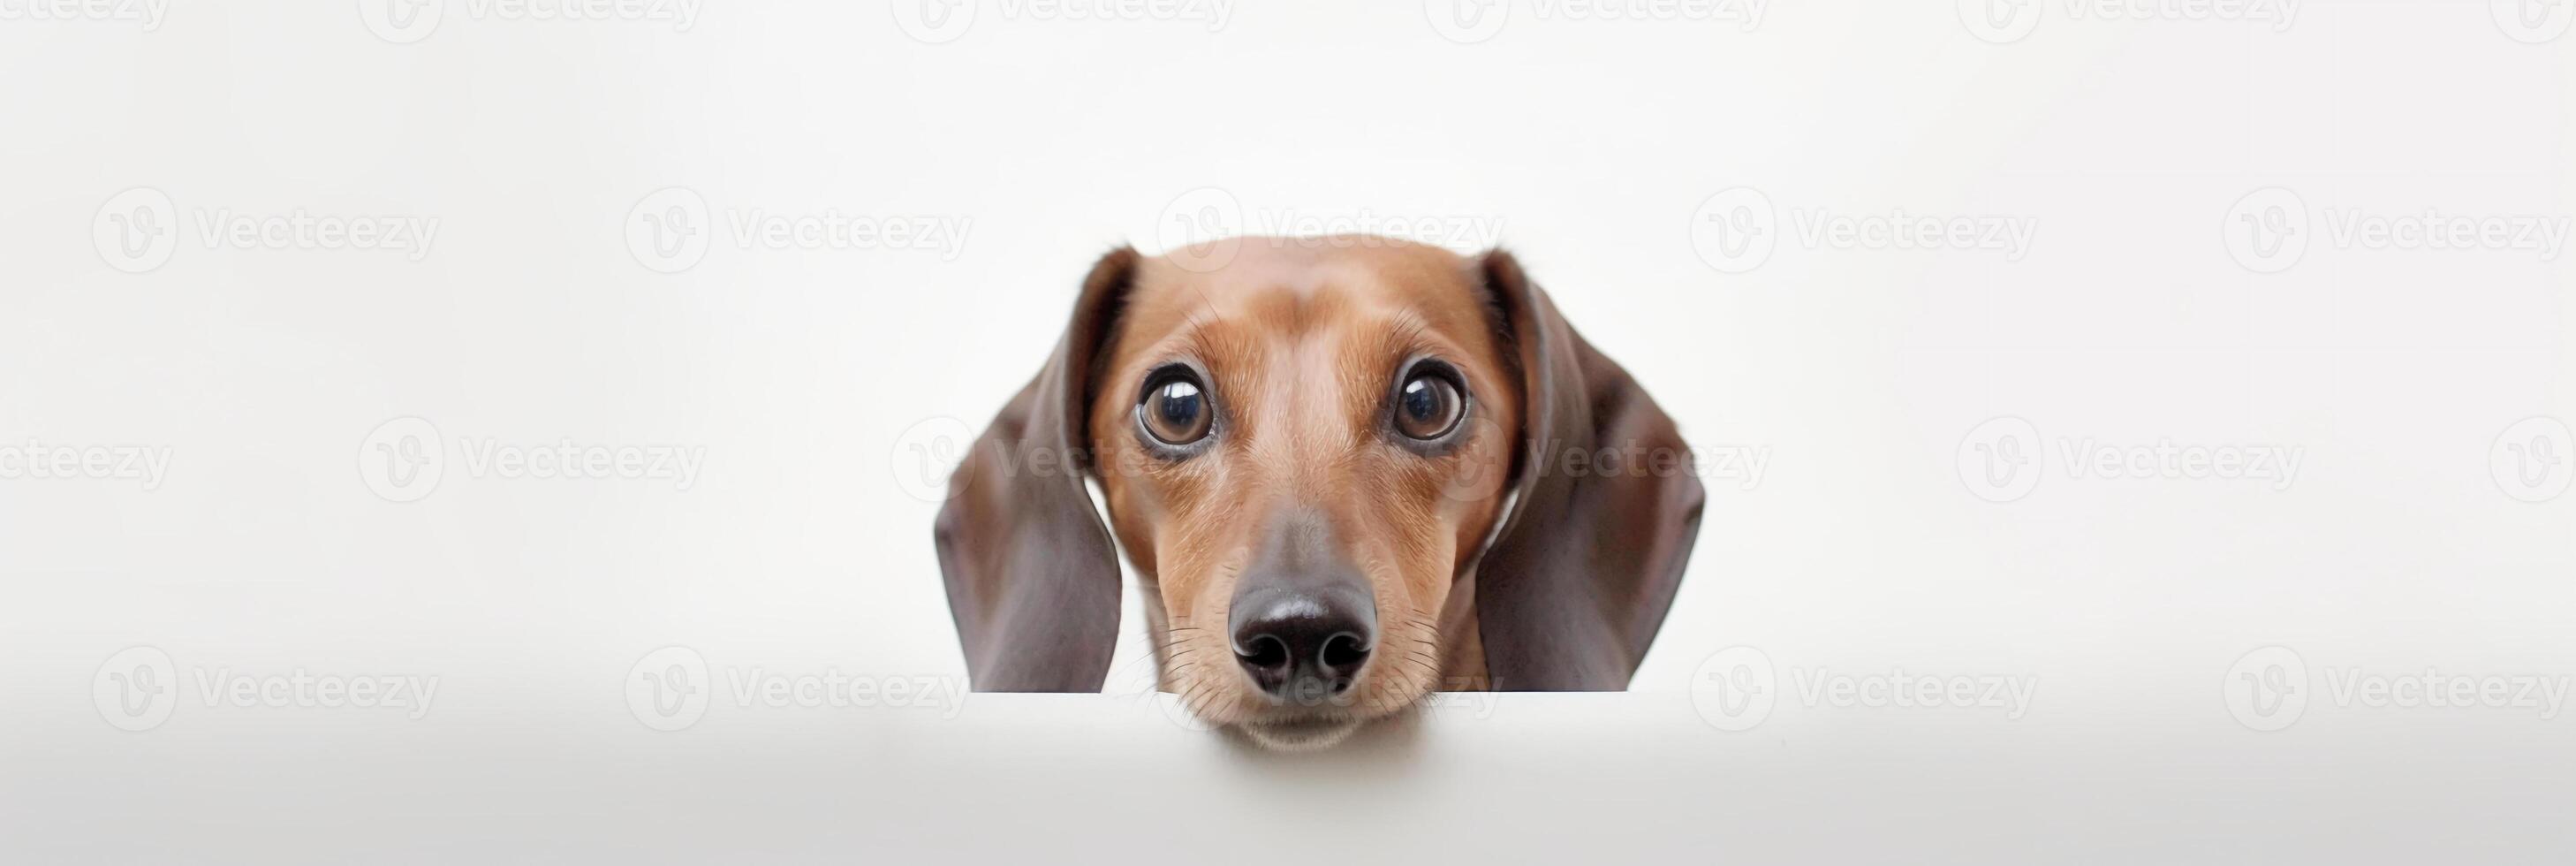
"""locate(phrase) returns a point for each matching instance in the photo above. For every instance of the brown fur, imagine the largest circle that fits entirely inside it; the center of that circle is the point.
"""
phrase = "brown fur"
(1536, 548)
(1304, 339)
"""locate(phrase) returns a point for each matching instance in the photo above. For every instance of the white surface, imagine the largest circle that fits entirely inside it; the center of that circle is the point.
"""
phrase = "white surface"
(1532, 778)
(804, 378)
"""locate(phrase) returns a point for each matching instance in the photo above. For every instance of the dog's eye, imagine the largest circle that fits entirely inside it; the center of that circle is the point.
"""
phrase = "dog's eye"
(1175, 411)
(1428, 407)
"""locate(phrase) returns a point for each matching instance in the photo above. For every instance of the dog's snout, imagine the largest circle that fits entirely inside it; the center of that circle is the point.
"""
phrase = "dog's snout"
(1304, 645)
(1303, 618)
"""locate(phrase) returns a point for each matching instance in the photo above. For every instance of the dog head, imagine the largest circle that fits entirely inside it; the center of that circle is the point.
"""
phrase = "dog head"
(1320, 455)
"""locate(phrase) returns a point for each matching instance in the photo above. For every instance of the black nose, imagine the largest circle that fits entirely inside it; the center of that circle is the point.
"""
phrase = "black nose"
(1301, 645)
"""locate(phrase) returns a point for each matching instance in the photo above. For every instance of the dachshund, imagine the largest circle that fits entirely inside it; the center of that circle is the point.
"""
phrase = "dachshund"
(1348, 471)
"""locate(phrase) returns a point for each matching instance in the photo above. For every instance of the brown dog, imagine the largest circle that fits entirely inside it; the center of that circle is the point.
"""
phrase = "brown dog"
(1349, 471)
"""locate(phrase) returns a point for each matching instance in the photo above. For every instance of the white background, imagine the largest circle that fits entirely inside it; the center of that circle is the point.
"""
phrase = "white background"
(809, 379)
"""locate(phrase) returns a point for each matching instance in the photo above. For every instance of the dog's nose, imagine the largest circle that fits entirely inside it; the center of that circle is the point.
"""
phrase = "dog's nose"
(1300, 645)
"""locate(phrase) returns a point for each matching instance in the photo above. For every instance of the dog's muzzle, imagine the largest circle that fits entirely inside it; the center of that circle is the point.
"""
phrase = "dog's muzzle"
(1302, 621)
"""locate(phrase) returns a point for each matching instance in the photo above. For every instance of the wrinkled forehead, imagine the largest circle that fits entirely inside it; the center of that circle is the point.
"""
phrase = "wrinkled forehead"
(1367, 296)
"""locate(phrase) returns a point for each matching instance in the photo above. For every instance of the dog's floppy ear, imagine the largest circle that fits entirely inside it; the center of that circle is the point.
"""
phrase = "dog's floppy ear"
(1574, 587)
(1032, 576)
